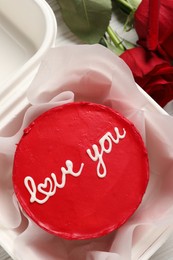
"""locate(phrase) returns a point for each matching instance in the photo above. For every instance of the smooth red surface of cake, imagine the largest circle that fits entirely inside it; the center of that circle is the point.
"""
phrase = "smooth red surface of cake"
(80, 170)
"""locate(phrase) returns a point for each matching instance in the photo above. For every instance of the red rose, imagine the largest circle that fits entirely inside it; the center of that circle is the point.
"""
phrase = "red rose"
(152, 73)
(153, 21)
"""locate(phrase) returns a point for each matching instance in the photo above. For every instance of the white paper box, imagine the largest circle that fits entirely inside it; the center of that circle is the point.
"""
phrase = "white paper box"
(27, 31)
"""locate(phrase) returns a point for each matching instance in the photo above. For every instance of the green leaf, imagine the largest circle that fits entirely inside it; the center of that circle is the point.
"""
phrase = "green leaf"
(88, 19)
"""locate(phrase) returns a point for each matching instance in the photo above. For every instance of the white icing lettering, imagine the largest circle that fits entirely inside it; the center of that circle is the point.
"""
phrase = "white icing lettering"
(50, 185)
(98, 156)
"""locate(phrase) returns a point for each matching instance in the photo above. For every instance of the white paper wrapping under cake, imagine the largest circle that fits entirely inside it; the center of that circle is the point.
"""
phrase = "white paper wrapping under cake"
(93, 73)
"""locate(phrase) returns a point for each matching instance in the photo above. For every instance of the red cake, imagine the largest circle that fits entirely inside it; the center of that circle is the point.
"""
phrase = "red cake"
(80, 170)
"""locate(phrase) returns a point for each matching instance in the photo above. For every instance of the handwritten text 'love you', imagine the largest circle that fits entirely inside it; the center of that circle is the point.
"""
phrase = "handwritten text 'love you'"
(50, 185)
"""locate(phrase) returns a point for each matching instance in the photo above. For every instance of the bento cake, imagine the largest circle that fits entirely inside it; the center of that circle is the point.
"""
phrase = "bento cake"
(80, 170)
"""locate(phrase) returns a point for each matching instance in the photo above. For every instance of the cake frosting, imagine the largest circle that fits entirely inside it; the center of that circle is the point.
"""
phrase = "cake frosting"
(80, 170)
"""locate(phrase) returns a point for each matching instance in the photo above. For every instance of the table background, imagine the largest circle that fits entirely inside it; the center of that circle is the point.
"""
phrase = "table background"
(64, 36)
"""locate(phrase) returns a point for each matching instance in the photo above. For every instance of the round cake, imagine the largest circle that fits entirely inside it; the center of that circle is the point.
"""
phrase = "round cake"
(80, 170)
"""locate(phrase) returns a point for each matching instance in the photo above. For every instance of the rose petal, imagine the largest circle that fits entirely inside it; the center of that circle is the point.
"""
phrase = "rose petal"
(165, 21)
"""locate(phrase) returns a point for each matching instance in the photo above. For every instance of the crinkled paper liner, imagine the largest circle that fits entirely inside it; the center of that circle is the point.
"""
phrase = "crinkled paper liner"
(91, 73)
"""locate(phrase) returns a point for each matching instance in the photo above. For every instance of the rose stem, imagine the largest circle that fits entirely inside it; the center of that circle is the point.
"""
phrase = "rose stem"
(117, 42)
(126, 7)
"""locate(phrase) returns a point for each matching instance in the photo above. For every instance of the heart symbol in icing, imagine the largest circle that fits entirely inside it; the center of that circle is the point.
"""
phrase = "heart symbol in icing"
(46, 187)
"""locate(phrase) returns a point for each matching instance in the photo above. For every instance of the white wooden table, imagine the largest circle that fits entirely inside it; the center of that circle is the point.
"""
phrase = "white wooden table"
(64, 37)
